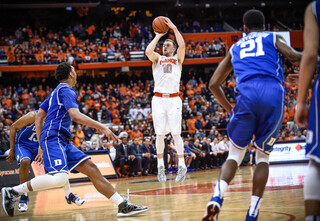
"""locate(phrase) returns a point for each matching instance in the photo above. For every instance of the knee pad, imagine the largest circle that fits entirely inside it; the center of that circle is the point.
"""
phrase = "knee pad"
(312, 182)
(49, 181)
(236, 154)
(261, 157)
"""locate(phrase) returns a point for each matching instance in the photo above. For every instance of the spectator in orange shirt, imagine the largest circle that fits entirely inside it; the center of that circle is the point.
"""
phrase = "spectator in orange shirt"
(191, 123)
(136, 133)
(89, 102)
(286, 117)
(97, 105)
(41, 93)
(79, 136)
(25, 97)
(116, 121)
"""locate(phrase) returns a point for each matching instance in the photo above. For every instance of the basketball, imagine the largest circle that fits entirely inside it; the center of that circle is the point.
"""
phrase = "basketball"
(159, 25)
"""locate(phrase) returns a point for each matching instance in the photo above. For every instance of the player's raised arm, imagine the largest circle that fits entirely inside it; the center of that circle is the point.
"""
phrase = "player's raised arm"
(150, 53)
(22, 122)
(219, 76)
(181, 44)
(289, 52)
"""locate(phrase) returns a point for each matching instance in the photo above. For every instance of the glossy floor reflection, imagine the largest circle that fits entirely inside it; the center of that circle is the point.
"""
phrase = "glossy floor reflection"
(170, 201)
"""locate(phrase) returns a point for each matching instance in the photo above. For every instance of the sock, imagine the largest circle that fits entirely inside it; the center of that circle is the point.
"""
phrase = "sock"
(67, 189)
(160, 162)
(220, 188)
(116, 198)
(254, 206)
(181, 162)
(313, 218)
(21, 189)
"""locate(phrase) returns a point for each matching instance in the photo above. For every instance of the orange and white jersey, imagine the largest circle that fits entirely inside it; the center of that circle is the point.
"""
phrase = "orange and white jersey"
(167, 74)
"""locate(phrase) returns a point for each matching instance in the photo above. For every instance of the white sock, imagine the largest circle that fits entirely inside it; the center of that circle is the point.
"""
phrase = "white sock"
(254, 206)
(67, 189)
(22, 188)
(181, 162)
(313, 218)
(220, 188)
(116, 198)
(160, 162)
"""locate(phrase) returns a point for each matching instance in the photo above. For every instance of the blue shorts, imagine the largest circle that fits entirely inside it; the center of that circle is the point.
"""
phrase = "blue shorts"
(312, 147)
(59, 155)
(22, 151)
(258, 111)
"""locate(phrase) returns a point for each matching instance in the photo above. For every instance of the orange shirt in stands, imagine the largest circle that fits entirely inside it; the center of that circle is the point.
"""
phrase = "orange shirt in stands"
(25, 98)
(89, 102)
(136, 134)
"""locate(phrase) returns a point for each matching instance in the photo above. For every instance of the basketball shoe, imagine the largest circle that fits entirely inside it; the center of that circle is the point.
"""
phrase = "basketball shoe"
(162, 174)
(24, 199)
(74, 199)
(9, 198)
(251, 217)
(128, 209)
(181, 175)
(213, 209)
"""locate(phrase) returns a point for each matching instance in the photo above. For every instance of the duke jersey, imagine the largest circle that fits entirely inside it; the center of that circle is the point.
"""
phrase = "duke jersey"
(256, 54)
(27, 137)
(56, 106)
(167, 74)
(312, 147)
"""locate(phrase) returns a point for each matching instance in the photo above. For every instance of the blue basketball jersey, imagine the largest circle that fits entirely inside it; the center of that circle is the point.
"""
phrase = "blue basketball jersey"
(56, 106)
(27, 137)
(256, 54)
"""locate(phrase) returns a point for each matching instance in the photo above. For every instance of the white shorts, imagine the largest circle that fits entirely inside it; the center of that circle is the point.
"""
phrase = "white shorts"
(166, 115)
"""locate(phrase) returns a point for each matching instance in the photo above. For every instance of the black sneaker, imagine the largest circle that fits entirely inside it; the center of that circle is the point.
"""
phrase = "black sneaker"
(128, 209)
(9, 198)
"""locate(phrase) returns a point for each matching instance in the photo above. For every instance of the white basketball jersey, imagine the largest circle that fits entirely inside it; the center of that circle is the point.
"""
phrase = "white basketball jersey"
(167, 75)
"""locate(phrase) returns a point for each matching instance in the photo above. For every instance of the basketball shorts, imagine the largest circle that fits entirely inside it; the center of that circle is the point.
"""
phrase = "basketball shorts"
(59, 155)
(22, 151)
(312, 147)
(167, 115)
(258, 111)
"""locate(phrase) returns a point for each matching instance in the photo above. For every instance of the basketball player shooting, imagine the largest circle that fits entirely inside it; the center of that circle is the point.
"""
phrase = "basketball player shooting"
(166, 103)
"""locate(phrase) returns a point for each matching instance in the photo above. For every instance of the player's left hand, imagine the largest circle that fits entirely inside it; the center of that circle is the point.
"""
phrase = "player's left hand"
(169, 23)
(10, 158)
(39, 157)
(301, 116)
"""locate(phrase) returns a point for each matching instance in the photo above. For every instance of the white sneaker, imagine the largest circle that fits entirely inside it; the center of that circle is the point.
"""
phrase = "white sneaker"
(162, 174)
(75, 199)
(181, 175)
(23, 207)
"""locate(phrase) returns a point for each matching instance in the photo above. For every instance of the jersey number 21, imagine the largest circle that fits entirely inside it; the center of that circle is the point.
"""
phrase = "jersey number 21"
(248, 51)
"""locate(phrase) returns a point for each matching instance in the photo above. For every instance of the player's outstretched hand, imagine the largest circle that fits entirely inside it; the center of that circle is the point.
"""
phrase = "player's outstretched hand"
(301, 115)
(10, 158)
(39, 157)
(169, 23)
(110, 135)
(160, 34)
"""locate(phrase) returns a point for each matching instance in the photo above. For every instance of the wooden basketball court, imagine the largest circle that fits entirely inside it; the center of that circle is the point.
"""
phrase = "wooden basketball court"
(170, 201)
